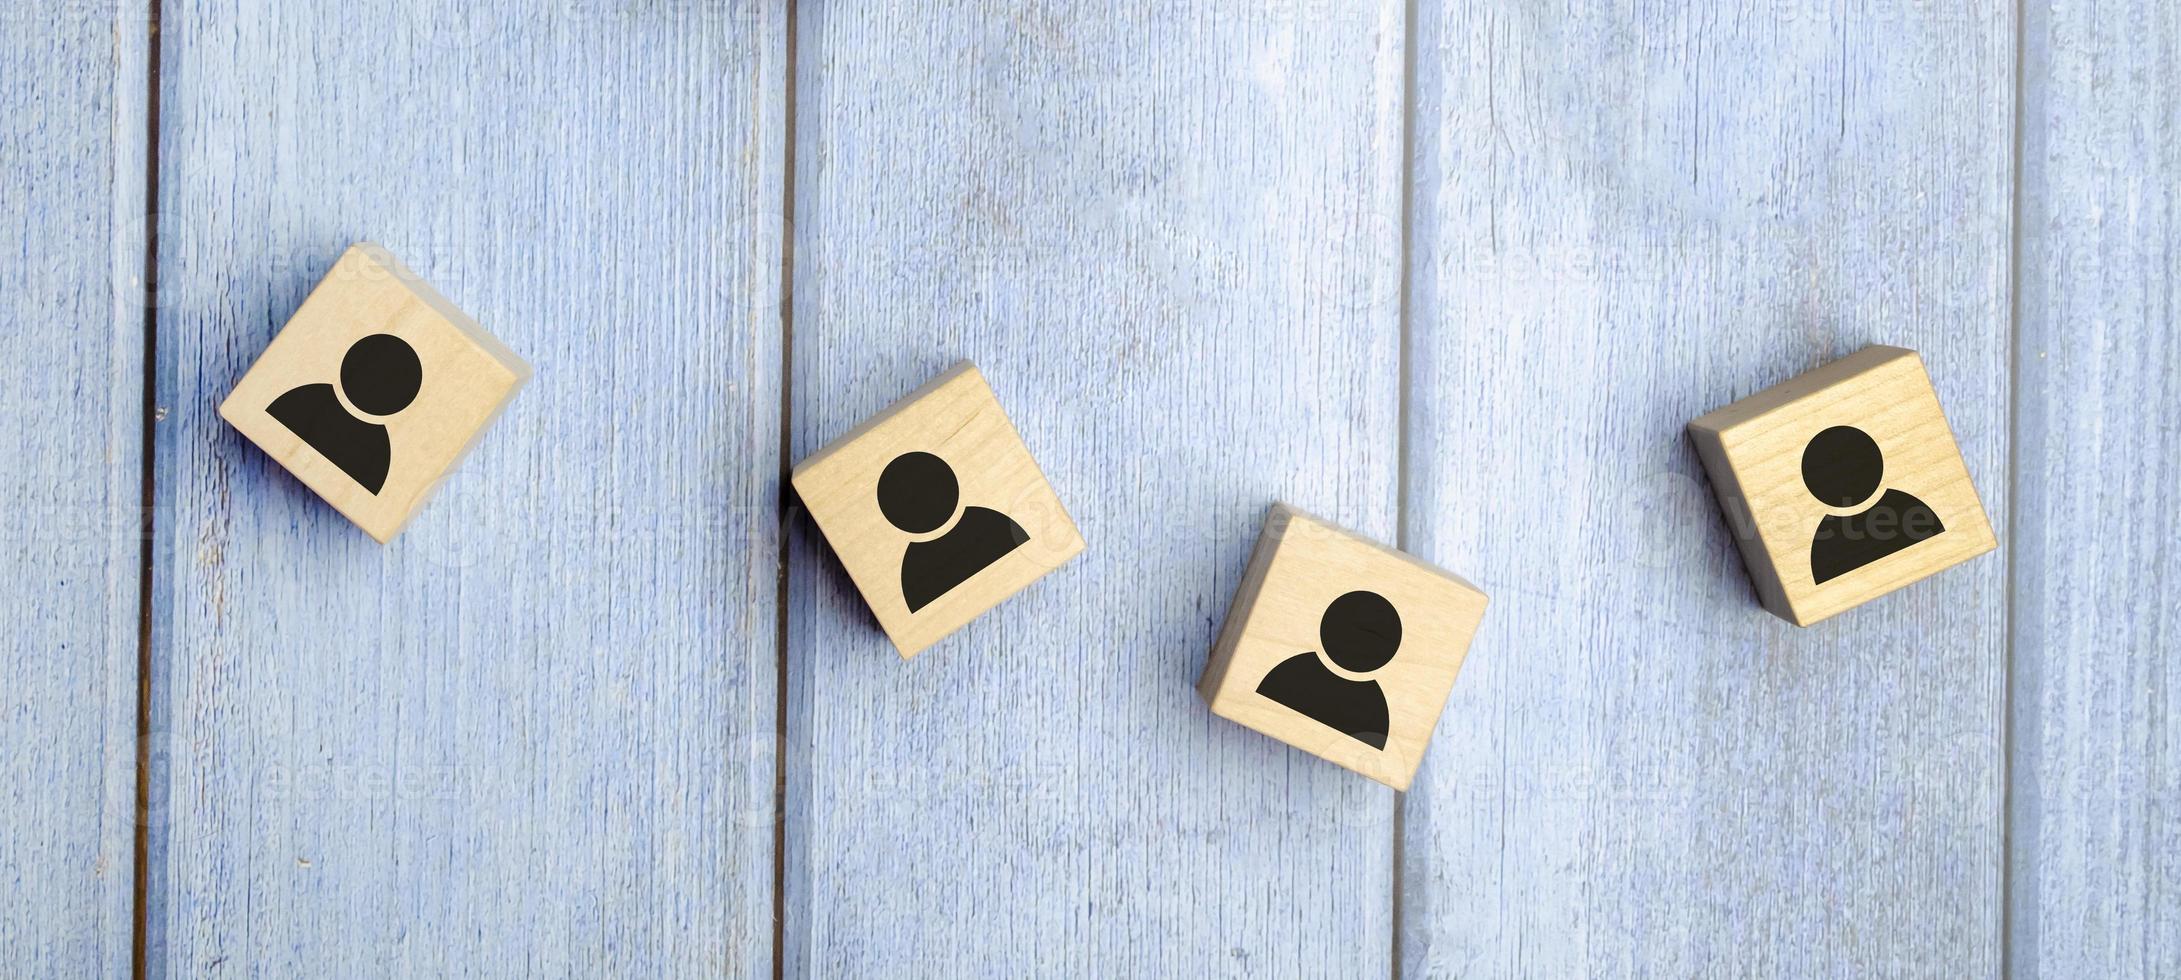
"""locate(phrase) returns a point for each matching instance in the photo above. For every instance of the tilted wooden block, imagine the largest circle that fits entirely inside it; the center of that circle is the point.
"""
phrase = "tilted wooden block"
(1341, 647)
(1843, 484)
(374, 390)
(937, 509)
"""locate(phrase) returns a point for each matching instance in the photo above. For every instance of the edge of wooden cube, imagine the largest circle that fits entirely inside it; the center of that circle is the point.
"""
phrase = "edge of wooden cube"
(945, 378)
(515, 363)
(1742, 524)
(1722, 421)
(1245, 596)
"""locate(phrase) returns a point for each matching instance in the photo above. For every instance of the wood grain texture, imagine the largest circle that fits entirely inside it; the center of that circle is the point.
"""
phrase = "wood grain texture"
(2095, 829)
(1625, 216)
(1921, 500)
(72, 138)
(1169, 235)
(464, 379)
(534, 736)
(996, 527)
(1314, 598)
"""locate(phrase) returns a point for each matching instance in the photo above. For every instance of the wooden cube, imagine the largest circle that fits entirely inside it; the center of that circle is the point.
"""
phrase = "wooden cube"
(1843, 484)
(937, 509)
(1341, 647)
(374, 390)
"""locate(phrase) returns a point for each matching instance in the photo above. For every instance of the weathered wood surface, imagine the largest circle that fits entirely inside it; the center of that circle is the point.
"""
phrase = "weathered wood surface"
(533, 736)
(2095, 812)
(1170, 235)
(72, 142)
(1626, 216)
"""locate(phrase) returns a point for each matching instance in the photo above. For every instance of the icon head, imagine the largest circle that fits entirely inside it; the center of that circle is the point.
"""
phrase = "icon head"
(381, 374)
(918, 493)
(1843, 466)
(1360, 632)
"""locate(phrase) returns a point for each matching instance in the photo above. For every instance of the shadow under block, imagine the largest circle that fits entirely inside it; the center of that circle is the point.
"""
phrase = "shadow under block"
(1336, 642)
(1843, 484)
(375, 390)
(937, 509)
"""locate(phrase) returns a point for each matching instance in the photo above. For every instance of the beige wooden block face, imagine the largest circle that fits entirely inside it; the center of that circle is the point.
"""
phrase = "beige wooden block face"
(937, 509)
(374, 390)
(1341, 647)
(1843, 484)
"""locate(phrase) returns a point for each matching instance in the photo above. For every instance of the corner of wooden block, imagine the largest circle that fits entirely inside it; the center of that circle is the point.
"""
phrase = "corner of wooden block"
(1713, 425)
(1208, 684)
(1221, 657)
(1484, 599)
(961, 367)
(1741, 520)
(1721, 422)
(1074, 547)
(1780, 605)
(1398, 782)
(1710, 450)
(386, 536)
(1878, 356)
(798, 471)
(1245, 598)
(842, 441)
(956, 372)
(518, 367)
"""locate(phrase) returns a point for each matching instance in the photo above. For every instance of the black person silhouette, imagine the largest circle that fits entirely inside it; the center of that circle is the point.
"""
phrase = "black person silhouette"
(918, 494)
(1843, 467)
(1361, 632)
(380, 375)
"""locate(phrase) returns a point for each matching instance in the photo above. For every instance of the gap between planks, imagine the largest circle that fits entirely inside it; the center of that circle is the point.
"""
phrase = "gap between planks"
(146, 525)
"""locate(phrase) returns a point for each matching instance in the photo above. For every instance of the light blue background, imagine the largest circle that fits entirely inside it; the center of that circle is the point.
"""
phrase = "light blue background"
(1453, 274)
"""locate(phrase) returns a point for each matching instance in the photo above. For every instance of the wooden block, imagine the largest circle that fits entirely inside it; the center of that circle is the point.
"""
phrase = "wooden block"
(375, 390)
(1843, 484)
(1341, 647)
(937, 509)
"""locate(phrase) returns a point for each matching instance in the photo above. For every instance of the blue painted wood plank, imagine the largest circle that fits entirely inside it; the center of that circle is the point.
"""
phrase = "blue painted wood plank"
(1170, 236)
(1626, 216)
(72, 142)
(2095, 803)
(534, 736)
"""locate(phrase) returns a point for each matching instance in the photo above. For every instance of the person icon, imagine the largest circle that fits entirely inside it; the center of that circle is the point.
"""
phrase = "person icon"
(1843, 467)
(919, 494)
(380, 375)
(1360, 632)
